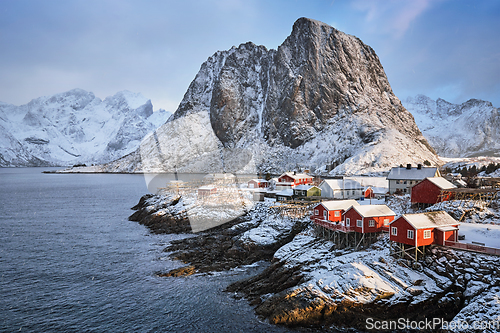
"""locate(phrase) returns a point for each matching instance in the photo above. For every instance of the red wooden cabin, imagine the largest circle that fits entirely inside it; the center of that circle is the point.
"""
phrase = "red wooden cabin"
(205, 191)
(428, 190)
(331, 211)
(295, 178)
(424, 229)
(258, 183)
(368, 218)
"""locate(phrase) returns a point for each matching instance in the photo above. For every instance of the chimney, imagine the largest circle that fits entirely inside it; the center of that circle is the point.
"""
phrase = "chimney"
(408, 166)
(419, 166)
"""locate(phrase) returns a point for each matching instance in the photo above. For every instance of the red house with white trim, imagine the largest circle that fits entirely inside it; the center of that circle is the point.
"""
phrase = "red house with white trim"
(428, 190)
(295, 179)
(258, 183)
(331, 211)
(368, 218)
(424, 229)
(206, 191)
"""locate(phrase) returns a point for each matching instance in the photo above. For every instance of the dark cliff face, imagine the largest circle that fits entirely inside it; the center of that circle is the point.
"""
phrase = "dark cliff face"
(289, 95)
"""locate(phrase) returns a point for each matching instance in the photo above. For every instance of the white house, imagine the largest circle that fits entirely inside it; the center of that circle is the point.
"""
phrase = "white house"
(341, 189)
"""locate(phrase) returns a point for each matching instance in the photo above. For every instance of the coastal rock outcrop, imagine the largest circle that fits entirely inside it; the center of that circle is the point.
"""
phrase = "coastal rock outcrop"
(309, 283)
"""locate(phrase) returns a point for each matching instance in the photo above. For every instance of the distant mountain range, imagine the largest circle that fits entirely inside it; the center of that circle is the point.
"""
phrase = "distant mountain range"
(321, 99)
(457, 130)
(75, 127)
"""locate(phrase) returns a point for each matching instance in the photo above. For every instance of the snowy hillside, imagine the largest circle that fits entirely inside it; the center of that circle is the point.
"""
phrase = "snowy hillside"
(75, 127)
(322, 98)
(458, 130)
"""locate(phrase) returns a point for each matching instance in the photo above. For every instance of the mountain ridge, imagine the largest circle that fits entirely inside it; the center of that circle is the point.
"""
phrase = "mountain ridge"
(74, 127)
(469, 129)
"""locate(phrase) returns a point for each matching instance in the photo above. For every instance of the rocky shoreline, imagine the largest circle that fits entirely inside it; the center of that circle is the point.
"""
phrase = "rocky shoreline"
(308, 284)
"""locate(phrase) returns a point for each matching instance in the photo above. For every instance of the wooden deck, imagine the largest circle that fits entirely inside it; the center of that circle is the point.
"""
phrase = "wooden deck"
(473, 247)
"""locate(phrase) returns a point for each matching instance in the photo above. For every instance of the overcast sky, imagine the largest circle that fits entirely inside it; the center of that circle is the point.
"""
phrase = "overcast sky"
(440, 48)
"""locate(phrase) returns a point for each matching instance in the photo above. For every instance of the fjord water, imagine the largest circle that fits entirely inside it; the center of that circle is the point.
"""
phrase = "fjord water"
(70, 261)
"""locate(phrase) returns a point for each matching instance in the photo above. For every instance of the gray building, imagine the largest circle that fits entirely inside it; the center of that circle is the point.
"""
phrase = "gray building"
(402, 179)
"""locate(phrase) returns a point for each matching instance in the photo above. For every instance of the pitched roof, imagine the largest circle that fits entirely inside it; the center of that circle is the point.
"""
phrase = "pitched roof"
(411, 174)
(339, 204)
(430, 219)
(286, 193)
(441, 182)
(297, 175)
(374, 210)
(304, 187)
(339, 184)
(259, 180)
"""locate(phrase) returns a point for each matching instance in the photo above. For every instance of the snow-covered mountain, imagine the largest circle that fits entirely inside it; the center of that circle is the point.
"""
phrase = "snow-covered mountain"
(322, 98)
(75, 127)
(458, 130)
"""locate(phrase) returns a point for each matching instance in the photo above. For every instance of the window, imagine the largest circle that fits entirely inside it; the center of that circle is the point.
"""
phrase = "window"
(394, 231)
(316, 212)
(352, 192)
(347, 221)
(337, 213)
(371, 223)
(405, 182)
(359, 223)
(386, 221)
(325, 214)
(410, 234)
(427, 234)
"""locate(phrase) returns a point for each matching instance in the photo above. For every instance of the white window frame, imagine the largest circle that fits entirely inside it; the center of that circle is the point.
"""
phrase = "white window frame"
(325, 214)
(359, 223)
(337, 213)
(371, 223)
(410, 234)
(347, 222)
(427, 234)
(316, 212)
(386, 222)
(394, 231)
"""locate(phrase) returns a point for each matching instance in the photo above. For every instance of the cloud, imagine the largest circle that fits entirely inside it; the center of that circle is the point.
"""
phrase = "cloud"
(391, 17)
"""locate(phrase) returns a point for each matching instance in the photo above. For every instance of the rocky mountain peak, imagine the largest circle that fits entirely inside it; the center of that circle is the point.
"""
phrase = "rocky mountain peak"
(322, 93)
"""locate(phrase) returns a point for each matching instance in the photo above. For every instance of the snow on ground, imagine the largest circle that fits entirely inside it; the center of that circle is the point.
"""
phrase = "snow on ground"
(269, 231)
(364, 276)
(482, 314)
(482, 233)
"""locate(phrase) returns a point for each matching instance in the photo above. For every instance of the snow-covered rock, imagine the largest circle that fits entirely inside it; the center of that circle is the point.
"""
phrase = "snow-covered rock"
(75, 127)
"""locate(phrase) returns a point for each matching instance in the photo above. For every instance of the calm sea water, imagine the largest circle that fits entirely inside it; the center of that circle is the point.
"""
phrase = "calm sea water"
(70, 261)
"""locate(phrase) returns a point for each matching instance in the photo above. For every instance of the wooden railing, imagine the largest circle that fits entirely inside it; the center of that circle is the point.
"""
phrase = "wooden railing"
(473, 247)
(332, 225)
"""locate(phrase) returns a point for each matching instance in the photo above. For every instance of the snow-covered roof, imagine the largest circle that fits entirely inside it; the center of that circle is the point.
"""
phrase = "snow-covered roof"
(447, 228)
(339, 204)
(430, 219)
(207, 187)
(285, 193)
(441, 182)
(339, 184)
(399, 173)
(304, 187)
(374, 210)
(258, 180)
(373, 182)
(296, 175)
